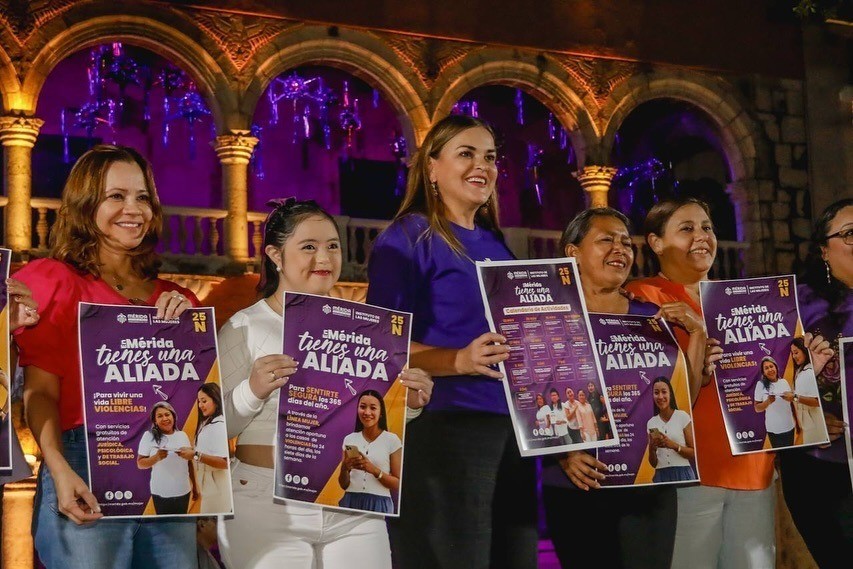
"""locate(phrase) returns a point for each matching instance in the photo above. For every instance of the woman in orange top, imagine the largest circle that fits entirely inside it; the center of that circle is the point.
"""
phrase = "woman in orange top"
(727, 521)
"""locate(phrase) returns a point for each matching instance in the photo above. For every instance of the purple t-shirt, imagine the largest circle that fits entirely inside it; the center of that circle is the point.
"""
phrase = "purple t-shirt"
(415, 270)
(832, 325)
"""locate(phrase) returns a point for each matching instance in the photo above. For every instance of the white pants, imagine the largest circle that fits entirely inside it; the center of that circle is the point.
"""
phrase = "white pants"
(264, 534)
(725, 529)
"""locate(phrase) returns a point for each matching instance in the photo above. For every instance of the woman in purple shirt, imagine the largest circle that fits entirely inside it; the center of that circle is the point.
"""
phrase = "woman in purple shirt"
(816, 480)
(468, 499)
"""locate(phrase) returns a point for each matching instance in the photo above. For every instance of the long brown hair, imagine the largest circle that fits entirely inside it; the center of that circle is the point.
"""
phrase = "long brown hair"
(420, 199)
(75, 237)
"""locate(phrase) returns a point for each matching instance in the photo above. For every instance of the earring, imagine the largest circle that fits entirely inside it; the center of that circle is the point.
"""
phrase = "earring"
(434, 188)
(488, 203)
(277, 269)
(828, 273)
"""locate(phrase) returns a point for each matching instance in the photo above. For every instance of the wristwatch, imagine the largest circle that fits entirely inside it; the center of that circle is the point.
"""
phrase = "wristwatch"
(796, 397)
(197, 456)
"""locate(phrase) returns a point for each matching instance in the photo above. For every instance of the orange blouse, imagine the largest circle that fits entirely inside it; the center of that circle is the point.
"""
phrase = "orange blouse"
(717, 465)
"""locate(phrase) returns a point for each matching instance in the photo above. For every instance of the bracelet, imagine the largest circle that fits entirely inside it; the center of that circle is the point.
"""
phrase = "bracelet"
(678, 450)
(380, 475)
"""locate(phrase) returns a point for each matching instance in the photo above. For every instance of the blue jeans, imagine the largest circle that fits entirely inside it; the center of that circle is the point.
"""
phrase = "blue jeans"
(105, 544)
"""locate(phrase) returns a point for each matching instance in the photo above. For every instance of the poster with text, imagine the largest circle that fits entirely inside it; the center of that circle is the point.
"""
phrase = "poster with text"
(341, 416)
(156, 438)
(5, 370)
(646, 377)
(538, 306)
(765, 382)
(845, 357)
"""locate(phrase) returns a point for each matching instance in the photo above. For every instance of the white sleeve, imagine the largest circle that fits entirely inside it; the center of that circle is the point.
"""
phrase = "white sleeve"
(213, 440)
(806, 383)
(240, 405)
(760, 392)
(146, 445)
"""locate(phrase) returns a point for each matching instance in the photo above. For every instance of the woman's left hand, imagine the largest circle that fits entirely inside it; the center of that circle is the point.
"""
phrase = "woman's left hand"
(420, 386)
(819, 351)
(186, 453)
(171, 304)
(23, 309)
(680, 313)
(362, 463)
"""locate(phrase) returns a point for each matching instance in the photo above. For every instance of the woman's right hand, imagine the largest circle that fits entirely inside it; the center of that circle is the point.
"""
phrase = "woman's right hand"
(482, 352)
(74, 499)
(834, 427)
(23, 310)
(819, 350)
(713, 354)
(162, 454)
(583, 469)
(270, 373)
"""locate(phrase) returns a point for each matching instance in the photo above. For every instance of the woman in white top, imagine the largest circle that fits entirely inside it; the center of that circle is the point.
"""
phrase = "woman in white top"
(172, 477)
(806, 395)
(543, 426)
(586, 418)
(210, 453)
(302, 254)
(571, 407)
(773, 397)
(370, 467)
(557, 418)
(670, 436)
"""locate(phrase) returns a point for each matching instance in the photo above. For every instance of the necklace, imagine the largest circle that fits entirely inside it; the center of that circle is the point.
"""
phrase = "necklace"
(280, 308)
(119, 286)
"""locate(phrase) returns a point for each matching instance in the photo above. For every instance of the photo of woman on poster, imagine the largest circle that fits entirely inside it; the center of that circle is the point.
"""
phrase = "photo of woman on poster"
(586, 418)
(557, 417)
(542, 413)
(172, 477)
(806, 402)
(372, 457)
(571, 406)
(670, 436)
(210, 453)
(773, 397)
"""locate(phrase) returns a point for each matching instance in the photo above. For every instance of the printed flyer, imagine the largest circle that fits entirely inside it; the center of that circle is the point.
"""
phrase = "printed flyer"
(765, 382)
(5, 370)
(341, 417)
(157, 442)
(845, 357)
(646, 377)
(538, 306)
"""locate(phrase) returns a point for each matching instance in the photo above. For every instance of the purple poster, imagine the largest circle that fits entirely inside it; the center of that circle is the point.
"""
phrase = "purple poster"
(5, 370)
(538, 306)
(845, 357)
(341, 417)
(646, 378)
(157, 443)
(765, 382)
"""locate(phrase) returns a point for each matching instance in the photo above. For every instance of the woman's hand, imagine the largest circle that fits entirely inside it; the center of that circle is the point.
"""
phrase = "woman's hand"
(23, 310)
(681, 314)
(834, 427)
(270, 373)
(161, 454)
(171, 304)
(788, 396)
(187, 453)
(74, 499)
(713, 354)
(819, 350)
(420, 386)
(362, 463)
(583, 469)
(482, 352)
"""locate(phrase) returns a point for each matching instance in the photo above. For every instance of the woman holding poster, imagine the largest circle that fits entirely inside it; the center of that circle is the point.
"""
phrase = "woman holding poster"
(816, 481)
(600, 241)
(302, 254)
(210, 453)
(670, 436)
(102, 250)
(774, 398)
(370, 467)
(172, 477)
(423, 263)
(736, 498)
(806, 395)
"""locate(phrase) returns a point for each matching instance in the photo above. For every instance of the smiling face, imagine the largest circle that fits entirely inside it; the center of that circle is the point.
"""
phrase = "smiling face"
(770, 371)
(555, 397)
(836, 252)
(570, 395)
(797, 355)
(582, 396)
(661, 395)
(688, 243)
(540, 401)
(310, 259)
(165, 420)
(604, 255)
(465, 171)
(369, 411)
(206, 404)
(124, 215)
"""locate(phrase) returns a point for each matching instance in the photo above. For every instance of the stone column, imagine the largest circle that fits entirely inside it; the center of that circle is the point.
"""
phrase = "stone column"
(18, 136)
(595, 180)
(235, 151)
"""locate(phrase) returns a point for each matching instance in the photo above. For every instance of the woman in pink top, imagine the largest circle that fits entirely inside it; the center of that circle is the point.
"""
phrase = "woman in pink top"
(586, 418)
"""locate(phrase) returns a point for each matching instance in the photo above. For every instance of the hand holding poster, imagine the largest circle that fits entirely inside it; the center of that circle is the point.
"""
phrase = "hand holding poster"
(539, 308)
(646, 378)
(767, 388)
(341, 416)
(156, 438)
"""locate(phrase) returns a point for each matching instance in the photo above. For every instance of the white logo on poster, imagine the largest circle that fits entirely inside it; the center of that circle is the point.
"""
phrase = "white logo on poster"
(304, 480)
(108, 494)
(121, 318)
(288, 477)
(119, 495)
(739, 435)
(326, 309)
(729, 290)
(128, 494)
(509, 275)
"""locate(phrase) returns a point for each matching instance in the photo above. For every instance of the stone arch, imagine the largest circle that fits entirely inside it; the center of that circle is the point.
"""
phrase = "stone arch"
(365, 56)
(535, 75)
(141, 31)
(10, 87)
(743, 141)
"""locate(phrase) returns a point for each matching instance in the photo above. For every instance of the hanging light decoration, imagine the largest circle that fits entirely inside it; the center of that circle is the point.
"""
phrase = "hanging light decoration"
(535, 156)
(399, 148)
(256, 162)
